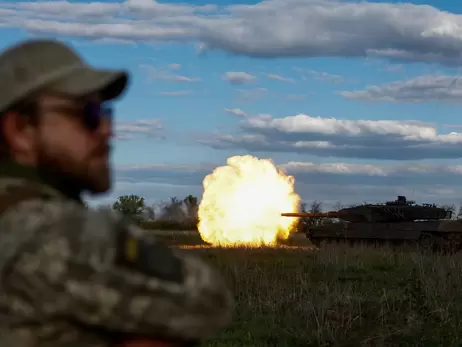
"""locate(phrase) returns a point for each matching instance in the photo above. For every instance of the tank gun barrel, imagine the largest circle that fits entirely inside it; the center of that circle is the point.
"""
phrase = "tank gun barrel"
(332, 214)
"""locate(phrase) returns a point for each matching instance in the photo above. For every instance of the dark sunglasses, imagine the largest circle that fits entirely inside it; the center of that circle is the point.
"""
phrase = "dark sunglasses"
(91, 113)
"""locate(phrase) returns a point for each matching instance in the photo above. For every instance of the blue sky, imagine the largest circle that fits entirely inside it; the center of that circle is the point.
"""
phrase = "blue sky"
(252, 77)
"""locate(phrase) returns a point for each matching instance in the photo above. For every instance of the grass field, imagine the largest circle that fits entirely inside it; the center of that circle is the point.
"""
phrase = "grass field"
(339, 296)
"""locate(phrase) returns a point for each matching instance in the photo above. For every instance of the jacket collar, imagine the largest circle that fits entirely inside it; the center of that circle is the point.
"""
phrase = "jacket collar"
(10, 168)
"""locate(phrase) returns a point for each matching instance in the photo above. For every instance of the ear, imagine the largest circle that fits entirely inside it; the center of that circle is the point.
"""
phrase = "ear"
(18, 132)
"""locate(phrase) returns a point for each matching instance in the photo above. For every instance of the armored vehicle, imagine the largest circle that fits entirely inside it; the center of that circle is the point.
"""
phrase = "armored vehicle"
(392, 223)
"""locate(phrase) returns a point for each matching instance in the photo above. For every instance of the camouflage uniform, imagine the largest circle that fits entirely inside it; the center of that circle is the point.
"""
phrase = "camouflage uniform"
(72, 276)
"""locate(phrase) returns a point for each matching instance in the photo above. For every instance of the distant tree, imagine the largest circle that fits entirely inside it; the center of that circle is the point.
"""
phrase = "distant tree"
(192, 207)
(130, 206)
(450, 208)
(315, 207)
(149, 212)
(173, 210)
(304, 222)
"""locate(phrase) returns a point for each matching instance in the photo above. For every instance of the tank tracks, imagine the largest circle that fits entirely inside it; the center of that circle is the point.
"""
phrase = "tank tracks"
(428, 241)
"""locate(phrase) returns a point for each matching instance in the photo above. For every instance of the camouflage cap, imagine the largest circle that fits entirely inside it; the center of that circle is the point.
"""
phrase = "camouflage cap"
(33, 65)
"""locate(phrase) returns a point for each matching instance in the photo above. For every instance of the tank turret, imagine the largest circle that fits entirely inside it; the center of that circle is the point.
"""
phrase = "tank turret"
(399, 210)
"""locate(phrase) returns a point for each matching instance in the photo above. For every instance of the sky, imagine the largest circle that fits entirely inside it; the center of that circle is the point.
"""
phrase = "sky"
(359, 101)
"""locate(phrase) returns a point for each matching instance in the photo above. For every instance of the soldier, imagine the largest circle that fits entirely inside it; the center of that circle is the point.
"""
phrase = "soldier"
(72, 276)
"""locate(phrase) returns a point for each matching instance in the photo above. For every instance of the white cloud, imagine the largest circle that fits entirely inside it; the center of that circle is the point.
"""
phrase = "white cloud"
(148, 127)
(320, 75)
(108, 41)
(174, 67)
(236, 112)
(239, 77)
(331, 137)
(279, 78)
(416, 90)
(65, 8)
(153, 73)
(301, 28)
(348, 183)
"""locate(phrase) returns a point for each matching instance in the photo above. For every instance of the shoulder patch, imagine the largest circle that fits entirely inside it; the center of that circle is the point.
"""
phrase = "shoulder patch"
(147, 257)
(131, 249)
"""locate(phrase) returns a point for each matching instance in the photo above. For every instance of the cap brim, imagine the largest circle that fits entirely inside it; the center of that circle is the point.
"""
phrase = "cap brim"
(110, 84)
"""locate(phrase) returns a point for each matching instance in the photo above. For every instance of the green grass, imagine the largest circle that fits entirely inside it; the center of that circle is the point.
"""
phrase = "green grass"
(340, 296)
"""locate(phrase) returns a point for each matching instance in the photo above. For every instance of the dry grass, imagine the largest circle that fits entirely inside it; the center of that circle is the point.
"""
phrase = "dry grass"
(337, 296)
(341, 297)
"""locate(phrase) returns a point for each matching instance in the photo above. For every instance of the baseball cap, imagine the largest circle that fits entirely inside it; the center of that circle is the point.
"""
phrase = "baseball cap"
(33, 65)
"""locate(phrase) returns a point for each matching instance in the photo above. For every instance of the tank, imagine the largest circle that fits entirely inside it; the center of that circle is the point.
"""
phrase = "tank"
(393, 223)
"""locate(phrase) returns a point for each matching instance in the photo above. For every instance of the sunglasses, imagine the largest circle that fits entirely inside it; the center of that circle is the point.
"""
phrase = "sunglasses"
(92, 113)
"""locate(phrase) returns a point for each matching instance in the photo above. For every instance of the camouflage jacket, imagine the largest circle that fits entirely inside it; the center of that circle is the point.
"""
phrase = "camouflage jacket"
(71, 276)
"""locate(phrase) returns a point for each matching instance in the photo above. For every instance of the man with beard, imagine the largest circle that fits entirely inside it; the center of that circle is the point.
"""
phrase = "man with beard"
(72, 276)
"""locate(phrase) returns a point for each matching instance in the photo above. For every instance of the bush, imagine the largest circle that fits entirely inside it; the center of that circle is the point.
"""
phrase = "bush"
(168, 225)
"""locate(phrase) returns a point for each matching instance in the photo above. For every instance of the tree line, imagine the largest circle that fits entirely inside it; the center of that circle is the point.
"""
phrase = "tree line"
(181, 214)
(173, 214)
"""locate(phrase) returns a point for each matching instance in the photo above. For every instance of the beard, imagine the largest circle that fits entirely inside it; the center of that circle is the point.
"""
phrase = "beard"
(90, 173)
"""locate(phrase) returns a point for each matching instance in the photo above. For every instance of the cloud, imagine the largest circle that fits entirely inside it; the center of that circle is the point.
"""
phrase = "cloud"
(279, 78)
(416, 90)
(154, 73)
(331, 137)
(236, 112)
(177, 93)
(304, 172)
(130, 130)
(303, 28)
(239, 77)
(174, 67)
(348, 183)
(107, 41)
(147, 8)
(320, 76)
